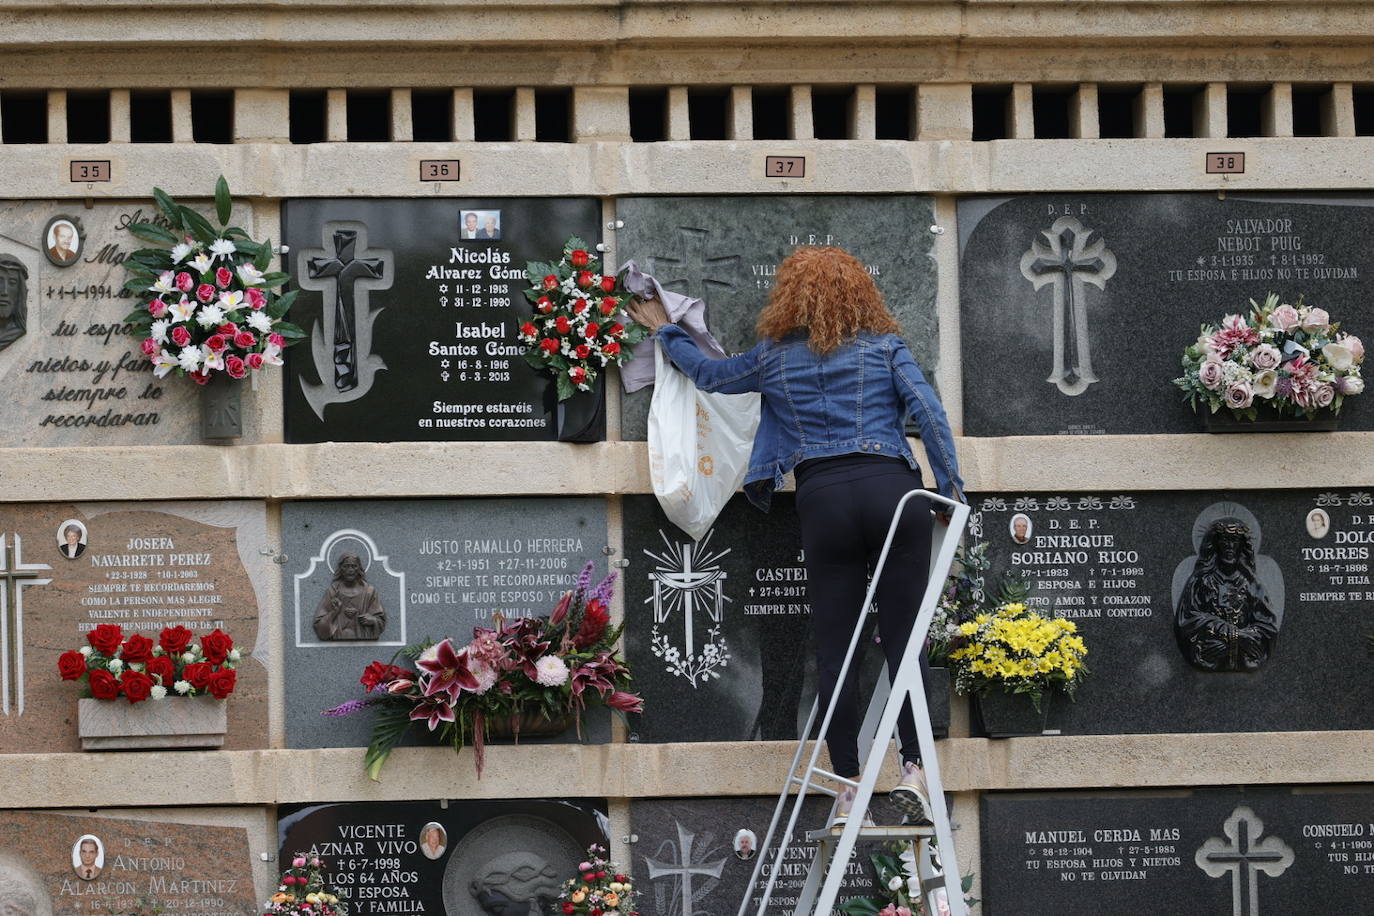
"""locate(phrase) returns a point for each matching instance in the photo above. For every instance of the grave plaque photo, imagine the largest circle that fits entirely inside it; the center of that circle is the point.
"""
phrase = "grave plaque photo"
(71, 369)
(420, 570)
(1188, 852)
(412, 316)
(1076, 308)
(719, 630)
(67, 568)
(458, 858)
(726, 250)
(696, 855)
(69, 864)
(1240, 611)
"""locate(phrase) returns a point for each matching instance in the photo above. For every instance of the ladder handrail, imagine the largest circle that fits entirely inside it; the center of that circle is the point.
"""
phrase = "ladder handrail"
(902, 692)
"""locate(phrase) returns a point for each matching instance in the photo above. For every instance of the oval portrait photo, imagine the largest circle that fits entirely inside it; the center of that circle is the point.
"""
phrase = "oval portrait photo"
(62, 240)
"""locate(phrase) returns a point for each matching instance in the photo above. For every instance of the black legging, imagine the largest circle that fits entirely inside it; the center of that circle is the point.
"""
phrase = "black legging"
(845, 505)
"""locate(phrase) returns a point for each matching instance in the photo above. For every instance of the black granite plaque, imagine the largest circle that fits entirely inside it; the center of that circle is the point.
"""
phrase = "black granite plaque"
(696, 855)
(413, 323)
(719, 630)
(462, 858)
(1196, 852)
(1202, 612)
(726, 250)
(1076, 308)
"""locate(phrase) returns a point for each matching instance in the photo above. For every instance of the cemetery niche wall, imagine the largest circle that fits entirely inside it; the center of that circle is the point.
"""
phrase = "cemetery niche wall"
(436, 568)
(1086, 302)
(726, 250)
(460, 858)
(67, 568)
(1240, 611)
(71, 368)
(412, 317)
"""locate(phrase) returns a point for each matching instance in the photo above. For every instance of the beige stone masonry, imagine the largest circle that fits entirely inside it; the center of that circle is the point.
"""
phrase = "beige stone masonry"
(1021, 112)
(601, 113)
(1149, 111)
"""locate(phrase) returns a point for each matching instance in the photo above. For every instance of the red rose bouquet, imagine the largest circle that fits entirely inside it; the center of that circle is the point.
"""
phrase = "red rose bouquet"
(545, 669)
(210, 307)
(600, 889)
(579, 326)
(138, 669)
(303, 891)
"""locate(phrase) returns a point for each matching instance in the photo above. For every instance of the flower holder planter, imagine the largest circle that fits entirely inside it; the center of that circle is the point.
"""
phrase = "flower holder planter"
(221, 411)
(582, 417)
(939, 694)
(1268, 421)
(1012, 715)
(531, 725)
(189, 722)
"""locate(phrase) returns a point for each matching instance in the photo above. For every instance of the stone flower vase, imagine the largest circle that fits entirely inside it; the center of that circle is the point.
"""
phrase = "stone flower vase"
(1012, 715)
(939, 702)
(221, 412)
(532, 725)
(174, 722)
(582, 417)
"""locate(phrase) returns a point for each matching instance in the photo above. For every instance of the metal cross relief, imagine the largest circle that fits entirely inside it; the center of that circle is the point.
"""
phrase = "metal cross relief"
(684, 869)
(1244, 854)
(687, 581)
(696, 271)
(341, 342)
(1068, 257)
(15, 576)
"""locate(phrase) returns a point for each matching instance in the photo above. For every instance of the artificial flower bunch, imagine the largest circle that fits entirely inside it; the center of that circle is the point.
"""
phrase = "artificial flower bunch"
(899, 890)
(579, 326)
(303, 891)
(211, 307)
(548, 668)
(599, 889)
(1016, 650)
(1293, 358)
(138, 669)
(964, 597)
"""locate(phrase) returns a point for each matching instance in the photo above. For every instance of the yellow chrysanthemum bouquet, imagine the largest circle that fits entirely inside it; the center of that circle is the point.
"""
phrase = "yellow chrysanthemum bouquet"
(1016, 650)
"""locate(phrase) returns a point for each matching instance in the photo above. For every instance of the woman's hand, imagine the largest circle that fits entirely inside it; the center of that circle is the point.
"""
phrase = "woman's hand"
(648, 312)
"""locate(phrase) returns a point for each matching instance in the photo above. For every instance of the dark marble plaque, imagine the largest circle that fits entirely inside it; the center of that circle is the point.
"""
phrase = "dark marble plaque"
(60, 864)
(1056, 288)
(142, 567)
(719, 630)
(439, 568)
(726, 250)
(703, 850)
(413, 324)
(461, 858)
(1272, 640)
(1191, 852)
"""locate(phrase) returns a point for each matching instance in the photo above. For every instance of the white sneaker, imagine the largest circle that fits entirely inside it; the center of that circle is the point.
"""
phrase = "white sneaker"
(844, 806)
(911, 796)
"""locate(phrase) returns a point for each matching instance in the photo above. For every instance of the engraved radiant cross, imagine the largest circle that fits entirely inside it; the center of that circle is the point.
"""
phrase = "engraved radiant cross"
(1247, 854)
(15, 576)
(685, 868)
(695, 271)
(687, 582)
(1067, 256)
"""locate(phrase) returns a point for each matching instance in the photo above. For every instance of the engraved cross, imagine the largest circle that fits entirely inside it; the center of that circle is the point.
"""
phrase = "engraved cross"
(15, 576)
(695, 272)
(685, 869)
(687, 582)
(345, 269)
(1067, 256)
(1247, 853)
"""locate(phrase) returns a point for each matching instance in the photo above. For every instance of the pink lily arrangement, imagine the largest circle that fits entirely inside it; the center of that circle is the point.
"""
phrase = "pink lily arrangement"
(541, 669)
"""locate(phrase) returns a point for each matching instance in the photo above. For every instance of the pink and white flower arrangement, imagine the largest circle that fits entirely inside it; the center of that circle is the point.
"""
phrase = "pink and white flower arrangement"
(578, 327)
(548, 668)
(303, 891)
(207, 306)
(1293, 358)
(600, 888)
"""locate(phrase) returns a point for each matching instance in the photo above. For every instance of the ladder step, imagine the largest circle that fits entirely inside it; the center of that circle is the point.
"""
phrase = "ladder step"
(873, 833)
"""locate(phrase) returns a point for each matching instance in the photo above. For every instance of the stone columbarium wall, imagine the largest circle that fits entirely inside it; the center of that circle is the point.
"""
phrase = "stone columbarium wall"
(945, 143)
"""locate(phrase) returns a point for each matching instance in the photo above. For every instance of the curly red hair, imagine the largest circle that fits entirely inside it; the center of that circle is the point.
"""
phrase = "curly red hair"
(826, 293)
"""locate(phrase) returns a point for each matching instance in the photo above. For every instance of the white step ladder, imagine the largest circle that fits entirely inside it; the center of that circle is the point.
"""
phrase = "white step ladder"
(835, 845)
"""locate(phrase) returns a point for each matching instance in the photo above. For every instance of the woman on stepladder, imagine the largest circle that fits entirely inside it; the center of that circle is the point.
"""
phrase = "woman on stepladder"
(837, 385)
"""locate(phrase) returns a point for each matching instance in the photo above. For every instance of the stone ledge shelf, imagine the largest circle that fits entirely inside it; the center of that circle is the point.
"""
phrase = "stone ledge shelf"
(269, 777)
(419, 469)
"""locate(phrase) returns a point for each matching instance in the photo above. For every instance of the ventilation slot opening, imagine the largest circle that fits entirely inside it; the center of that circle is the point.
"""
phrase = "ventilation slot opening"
(431, 115)
(649, 115)
(150, 116)
(493, 115)
(88, 117)
(307, 115)
(991, 112)
(368, 115)
(1116, 107)
(1245, 111)
(832, 113)
(1050, 109)
(212, 116)
(1180, 110)
(708, 113)
(772, 113)
(553, 115)
(24, 116)
(892, 112)
(1311, 105)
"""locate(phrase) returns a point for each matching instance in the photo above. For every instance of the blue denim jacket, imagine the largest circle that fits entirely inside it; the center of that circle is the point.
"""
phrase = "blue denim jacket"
(854, 400)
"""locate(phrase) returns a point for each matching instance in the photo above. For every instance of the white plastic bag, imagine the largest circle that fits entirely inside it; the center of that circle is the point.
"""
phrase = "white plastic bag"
(699, 446)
